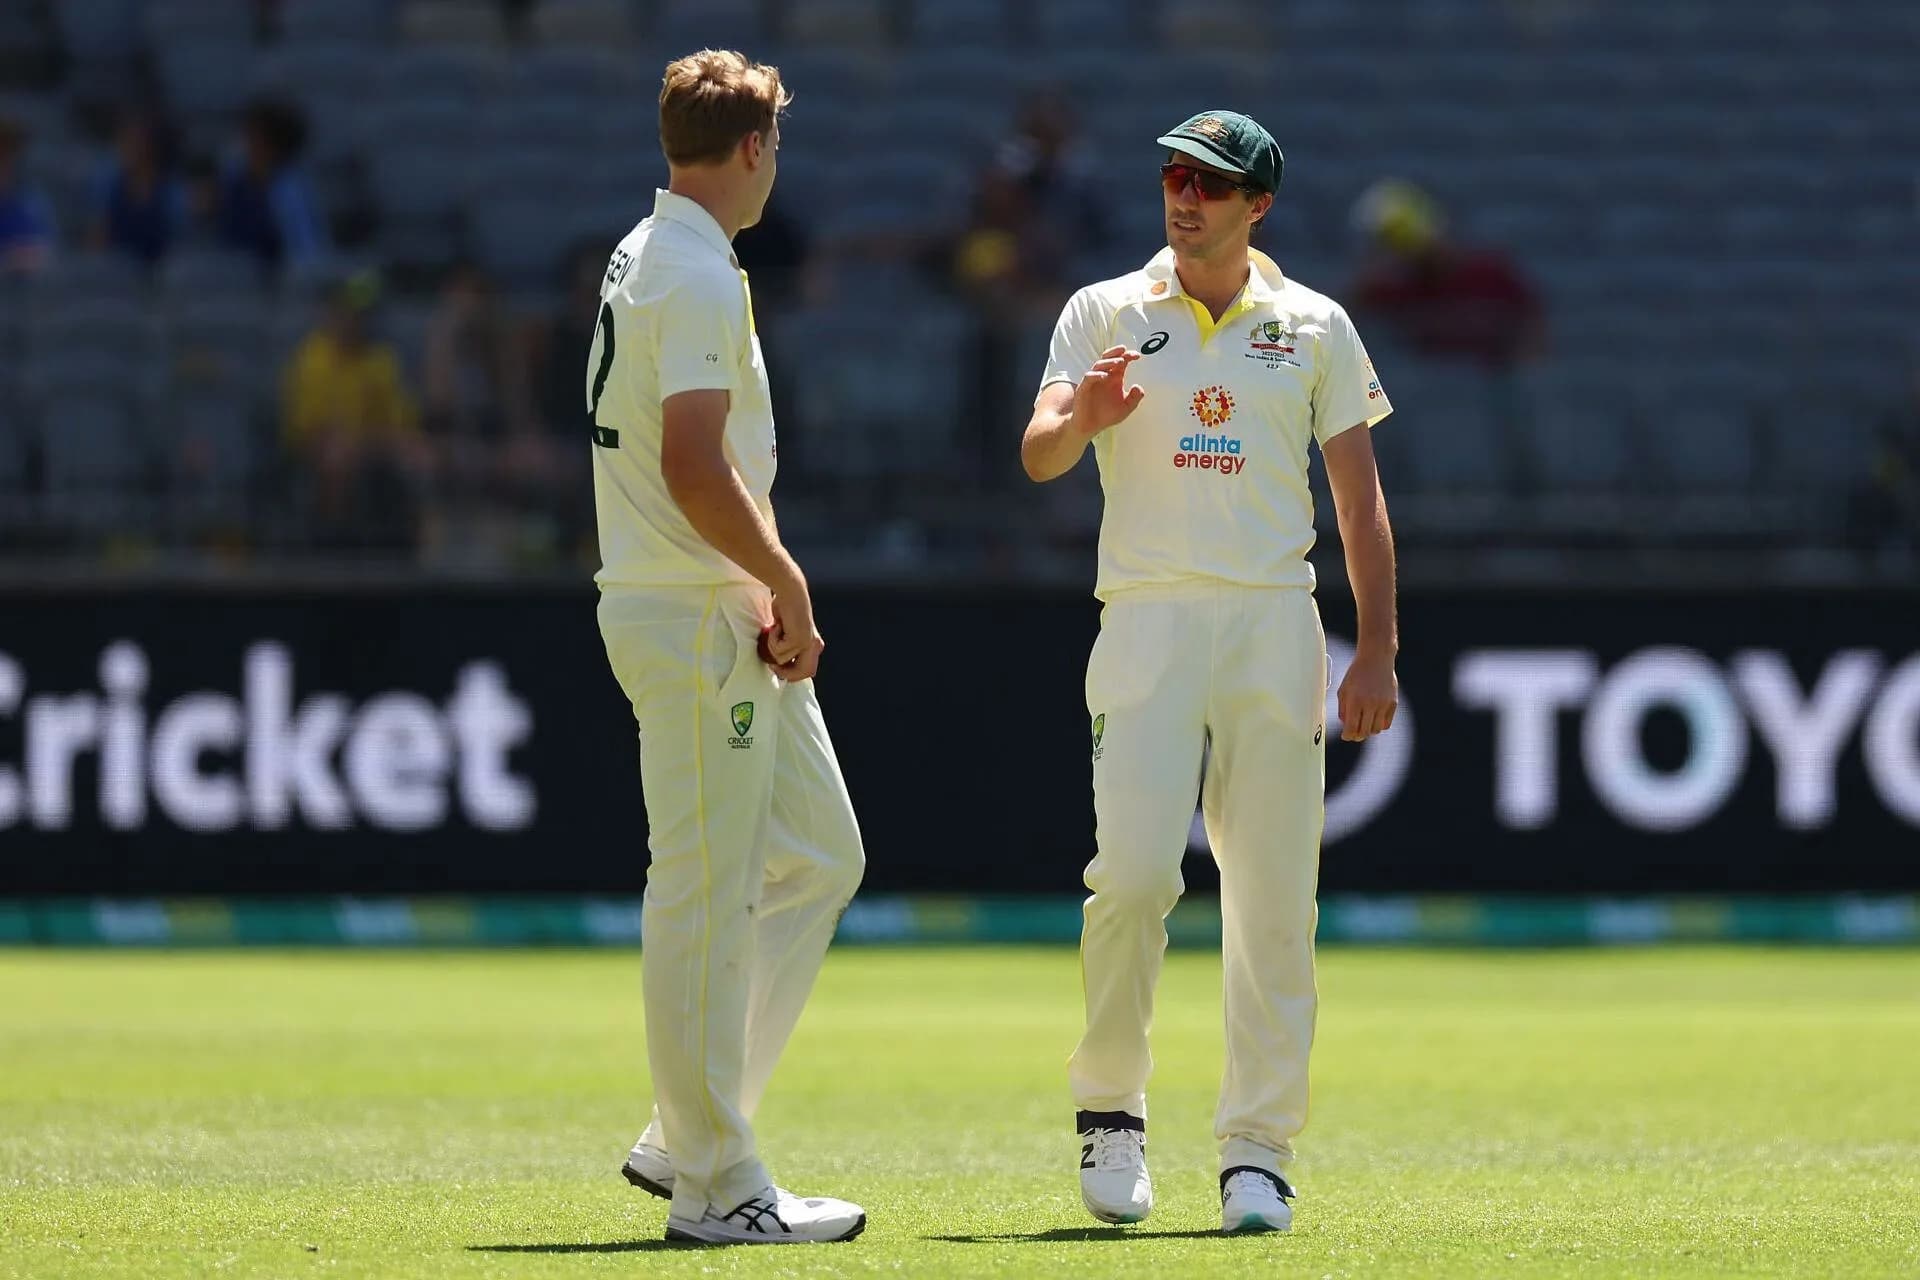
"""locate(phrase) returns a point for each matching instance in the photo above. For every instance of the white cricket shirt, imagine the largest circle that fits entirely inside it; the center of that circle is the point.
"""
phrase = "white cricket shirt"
(675, 316)
(1207, 480)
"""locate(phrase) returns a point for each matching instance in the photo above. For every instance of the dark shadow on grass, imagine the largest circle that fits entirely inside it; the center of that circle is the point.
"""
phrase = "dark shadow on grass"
(1076, 1234)
(611, 1246)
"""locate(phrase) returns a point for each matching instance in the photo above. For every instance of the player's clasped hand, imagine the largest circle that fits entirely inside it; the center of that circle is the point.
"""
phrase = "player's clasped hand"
(791, 646)
(1103, 398)
(1368, 697)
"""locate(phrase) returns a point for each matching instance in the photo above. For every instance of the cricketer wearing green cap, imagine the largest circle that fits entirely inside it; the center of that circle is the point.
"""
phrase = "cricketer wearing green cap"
(1202, 381)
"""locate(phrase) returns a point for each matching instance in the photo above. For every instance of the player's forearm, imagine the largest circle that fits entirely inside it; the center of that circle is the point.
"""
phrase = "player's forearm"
(718, 506)
(1368, 539)
(1050, 447)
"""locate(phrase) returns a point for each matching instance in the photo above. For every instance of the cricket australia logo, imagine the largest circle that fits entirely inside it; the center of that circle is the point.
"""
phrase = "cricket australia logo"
(1271, 342)
(742, 714)
(1099, 732)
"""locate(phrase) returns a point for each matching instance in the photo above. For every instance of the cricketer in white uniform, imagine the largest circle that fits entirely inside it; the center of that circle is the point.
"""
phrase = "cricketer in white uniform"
(1201, 380)
(754, 848)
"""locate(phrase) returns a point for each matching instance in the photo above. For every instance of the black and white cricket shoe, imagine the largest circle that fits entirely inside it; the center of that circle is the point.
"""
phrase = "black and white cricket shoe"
(649, 1168)
(1114, 1183)
(773, 1217)
(1254, 1200)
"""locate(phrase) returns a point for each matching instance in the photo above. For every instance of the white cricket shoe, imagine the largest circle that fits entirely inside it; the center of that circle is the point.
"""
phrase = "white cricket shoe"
(1113, 1166)
(773, 1217)
(1254, 1200)
(650, 1168)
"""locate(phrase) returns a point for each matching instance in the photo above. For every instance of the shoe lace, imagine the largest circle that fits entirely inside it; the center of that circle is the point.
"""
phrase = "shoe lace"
(1116, 1149)
(1254, 1184)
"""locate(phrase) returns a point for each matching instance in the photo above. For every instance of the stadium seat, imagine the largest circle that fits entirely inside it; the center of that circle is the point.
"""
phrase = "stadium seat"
(682, 26)
(1818, 442)
(517, 238)
(846, 23)
(582, 72)
(191, 272)
(527, 169)
(98, 31)
(170, 22)
(83, 275)
(602, 23)
(944, 24)
(452, 22)
(872, 405)
(217, 342)
(356, 21)
(205, 77)
(90, 444)
(556, 125)
(1580, 435)
(58, 329)
(1457, 425)
(1101, 24)
(450, 74)
(1706, 449)
(16, 439)
(1215, 24)
(216, 445)
(319, 73)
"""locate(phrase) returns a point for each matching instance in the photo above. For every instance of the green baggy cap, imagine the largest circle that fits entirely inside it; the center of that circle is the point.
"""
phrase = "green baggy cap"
(1232, 143)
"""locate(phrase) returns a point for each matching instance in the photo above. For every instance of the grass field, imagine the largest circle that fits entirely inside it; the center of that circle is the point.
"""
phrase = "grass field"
(1582, 1113)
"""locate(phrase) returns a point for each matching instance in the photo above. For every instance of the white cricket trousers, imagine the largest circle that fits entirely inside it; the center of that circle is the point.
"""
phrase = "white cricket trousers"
(1236, 676)
(754, 855)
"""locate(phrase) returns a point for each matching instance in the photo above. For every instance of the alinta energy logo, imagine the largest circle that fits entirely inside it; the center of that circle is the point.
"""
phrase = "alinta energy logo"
(1213, 406)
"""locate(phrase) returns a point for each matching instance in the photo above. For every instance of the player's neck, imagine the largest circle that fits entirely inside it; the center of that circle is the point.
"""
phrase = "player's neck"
(1213, 282)
(714, 198)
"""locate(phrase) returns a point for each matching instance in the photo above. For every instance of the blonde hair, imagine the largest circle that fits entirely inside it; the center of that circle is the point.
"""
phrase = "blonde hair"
(712, 99)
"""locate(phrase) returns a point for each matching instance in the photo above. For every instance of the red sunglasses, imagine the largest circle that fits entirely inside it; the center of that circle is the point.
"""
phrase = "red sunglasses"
(1211, 186)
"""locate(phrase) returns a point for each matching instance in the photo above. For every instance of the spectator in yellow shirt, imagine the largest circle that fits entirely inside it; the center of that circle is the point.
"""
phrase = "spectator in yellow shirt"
(353, 427)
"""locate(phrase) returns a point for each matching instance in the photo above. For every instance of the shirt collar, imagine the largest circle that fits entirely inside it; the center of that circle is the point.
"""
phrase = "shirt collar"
(689, 214)
(1264, 281)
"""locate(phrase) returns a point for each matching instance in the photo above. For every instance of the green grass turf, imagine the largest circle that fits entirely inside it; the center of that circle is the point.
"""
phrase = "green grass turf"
(1603, 1114)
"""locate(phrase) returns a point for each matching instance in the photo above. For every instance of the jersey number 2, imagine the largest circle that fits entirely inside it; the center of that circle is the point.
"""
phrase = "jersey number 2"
(605, 437)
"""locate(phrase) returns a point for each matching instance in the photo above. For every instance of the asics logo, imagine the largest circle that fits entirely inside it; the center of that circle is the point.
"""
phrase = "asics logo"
(754, 1216)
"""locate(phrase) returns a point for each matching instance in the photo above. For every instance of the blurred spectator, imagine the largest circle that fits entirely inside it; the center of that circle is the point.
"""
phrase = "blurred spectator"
(547, 452)
(777, 257)
(1033, 210)
(349, 421)
(266, 205)
(471, 376)
(467, 361)
(518, 15)
(140, 203)
(554, 353)
(27, 228)
(1438, 297)
(1048, 163)
(773, 253)
(1883, 514)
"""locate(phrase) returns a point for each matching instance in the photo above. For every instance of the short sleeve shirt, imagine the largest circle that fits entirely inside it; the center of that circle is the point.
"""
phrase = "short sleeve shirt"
(1207, 480)
(675, 315)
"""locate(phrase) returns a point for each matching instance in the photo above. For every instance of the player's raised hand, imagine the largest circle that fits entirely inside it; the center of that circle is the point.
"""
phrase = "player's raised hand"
(1369, 695)
(1103, 398)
